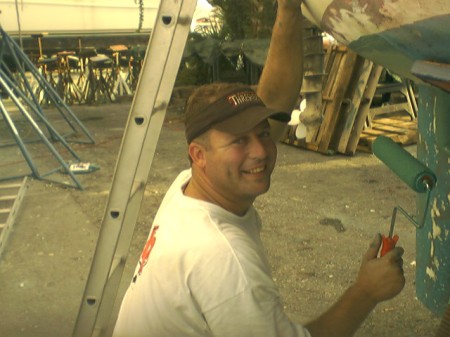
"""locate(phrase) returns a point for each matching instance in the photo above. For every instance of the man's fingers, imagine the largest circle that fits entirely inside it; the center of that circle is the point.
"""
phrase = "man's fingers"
(374, 247)
(396, 257)
(396, 254)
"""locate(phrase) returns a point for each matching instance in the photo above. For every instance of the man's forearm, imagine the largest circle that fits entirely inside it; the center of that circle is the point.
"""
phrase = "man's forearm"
(345, 316)
(280, 82)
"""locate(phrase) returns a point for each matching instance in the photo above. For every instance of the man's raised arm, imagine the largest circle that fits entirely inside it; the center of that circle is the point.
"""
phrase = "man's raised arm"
(281, 79)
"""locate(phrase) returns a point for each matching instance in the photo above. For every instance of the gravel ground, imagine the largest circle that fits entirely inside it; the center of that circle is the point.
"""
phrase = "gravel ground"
(319, 217)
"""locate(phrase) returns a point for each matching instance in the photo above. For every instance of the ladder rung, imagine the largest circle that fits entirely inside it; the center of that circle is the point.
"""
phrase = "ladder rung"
(5, 210)
(2, 225)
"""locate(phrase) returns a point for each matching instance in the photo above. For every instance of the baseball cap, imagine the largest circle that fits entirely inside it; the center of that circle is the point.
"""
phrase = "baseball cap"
(236, 111)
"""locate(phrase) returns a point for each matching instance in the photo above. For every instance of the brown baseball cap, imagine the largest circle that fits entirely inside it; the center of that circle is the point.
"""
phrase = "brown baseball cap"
(236, 111)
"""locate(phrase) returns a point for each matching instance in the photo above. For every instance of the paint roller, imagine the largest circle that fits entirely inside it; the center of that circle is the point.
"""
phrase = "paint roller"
(414, 173)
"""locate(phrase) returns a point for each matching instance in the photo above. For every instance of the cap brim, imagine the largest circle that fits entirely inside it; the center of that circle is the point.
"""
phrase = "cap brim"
(249, 118)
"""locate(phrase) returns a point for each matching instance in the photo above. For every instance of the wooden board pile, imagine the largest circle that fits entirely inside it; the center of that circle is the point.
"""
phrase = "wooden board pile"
(349, 119)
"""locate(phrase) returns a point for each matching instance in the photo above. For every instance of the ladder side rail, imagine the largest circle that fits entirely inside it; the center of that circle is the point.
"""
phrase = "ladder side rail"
(118, 278)
(149, 148)
(12, 215)
(131, 174)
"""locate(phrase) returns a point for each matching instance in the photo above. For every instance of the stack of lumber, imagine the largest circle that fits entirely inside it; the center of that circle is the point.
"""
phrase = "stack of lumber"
(349, 119)
(396, 120)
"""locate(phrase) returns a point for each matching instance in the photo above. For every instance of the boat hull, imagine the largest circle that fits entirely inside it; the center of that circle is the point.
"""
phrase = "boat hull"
(53, 16)
(392, 33)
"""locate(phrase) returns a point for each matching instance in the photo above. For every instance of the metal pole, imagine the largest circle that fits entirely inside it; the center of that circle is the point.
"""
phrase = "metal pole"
(41, 134)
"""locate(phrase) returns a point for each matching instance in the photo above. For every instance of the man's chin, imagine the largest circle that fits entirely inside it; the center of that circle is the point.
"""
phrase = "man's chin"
(261, 189)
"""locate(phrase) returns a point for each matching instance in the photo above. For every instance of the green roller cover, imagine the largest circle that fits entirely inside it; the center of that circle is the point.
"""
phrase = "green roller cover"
(403, 164)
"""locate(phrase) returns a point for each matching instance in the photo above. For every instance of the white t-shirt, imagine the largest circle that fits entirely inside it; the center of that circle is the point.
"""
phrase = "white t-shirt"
(203, 272)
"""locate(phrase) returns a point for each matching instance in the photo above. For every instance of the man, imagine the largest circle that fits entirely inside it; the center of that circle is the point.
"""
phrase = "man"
(203, 271)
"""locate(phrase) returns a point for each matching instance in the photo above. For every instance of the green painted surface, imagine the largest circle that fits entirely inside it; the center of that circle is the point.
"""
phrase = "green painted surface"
(397, 48)
(433, 240)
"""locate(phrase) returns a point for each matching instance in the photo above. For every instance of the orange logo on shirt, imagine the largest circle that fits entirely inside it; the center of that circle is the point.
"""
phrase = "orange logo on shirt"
(147, 250)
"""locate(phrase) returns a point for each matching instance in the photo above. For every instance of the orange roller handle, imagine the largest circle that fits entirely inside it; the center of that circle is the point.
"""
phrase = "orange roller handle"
(388, 244)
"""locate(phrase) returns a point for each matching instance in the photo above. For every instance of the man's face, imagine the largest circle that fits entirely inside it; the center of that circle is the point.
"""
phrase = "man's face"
(239, 166)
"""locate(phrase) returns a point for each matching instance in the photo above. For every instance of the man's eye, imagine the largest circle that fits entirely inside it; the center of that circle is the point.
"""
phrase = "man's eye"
(265, 134)
(240, 140)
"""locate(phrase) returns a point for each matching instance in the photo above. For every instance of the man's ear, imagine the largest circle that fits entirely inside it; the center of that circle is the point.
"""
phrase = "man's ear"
(197, 154)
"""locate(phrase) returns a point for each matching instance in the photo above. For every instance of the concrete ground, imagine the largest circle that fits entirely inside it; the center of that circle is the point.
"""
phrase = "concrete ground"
(319, 217)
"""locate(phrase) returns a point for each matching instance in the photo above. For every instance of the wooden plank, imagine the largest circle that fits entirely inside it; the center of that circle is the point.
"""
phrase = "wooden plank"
(364, 109)
(340, 86)
(396, 120)
(366, 142)
(389, 109)
(332, 69)
(397, 125)
(405, 139)
(383, 88)
(400, 129)
(392, 129)
(373, 132)
(348, 115)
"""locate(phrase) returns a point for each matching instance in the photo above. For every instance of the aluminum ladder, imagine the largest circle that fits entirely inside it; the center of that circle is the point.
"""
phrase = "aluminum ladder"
(148, 109)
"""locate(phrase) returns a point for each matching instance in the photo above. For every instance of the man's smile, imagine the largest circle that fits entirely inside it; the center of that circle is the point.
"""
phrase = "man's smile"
(255, 170)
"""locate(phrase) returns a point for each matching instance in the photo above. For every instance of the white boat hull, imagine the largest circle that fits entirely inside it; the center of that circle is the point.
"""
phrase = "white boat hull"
(55, 16)
(392, 33)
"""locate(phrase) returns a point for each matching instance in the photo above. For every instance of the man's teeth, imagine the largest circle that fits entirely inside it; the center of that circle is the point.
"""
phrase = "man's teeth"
(256, 170)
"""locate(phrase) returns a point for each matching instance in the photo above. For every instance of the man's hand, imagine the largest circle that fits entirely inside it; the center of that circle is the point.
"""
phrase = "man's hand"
(381, 278)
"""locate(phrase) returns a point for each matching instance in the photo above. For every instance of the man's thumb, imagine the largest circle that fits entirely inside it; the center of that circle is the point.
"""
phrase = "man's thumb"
(374, 247)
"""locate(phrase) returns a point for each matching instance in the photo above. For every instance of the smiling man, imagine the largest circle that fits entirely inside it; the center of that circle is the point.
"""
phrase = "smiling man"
(204, 271)
(233, 162)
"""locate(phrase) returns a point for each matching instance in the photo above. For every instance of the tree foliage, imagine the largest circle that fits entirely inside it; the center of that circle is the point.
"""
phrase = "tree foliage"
(246, 19)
